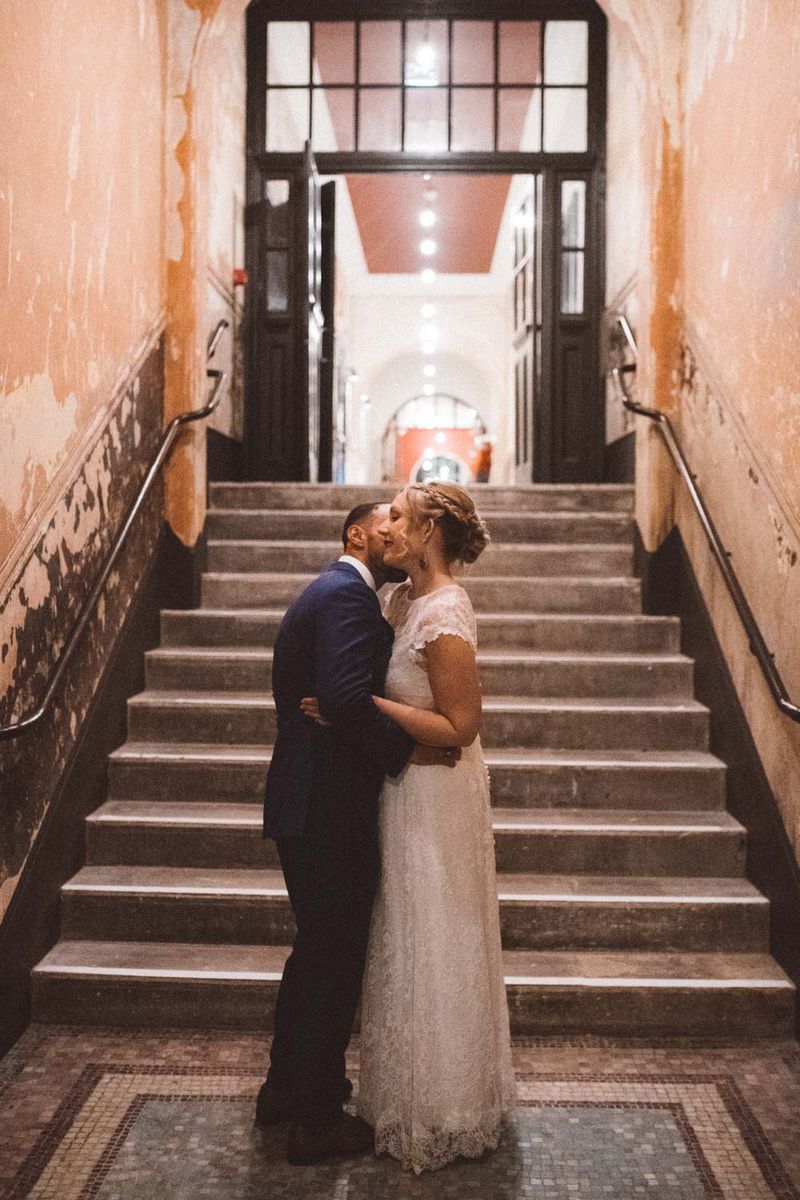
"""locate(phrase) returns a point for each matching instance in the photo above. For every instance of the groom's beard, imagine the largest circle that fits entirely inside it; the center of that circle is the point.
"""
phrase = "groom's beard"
(395, 574)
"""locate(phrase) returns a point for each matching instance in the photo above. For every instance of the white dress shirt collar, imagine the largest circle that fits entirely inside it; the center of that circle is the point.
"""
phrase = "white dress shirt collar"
(362, 569)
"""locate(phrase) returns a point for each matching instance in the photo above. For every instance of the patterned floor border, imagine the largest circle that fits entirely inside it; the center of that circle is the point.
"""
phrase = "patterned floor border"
(730, 1152)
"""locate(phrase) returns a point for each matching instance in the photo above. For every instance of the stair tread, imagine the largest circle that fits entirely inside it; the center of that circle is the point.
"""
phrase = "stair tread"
(234, 698)
(219, 814)
(213, 752)
(586, 515)
(248, 963)
(484, 580)
(322, 543)
(265, 654)
(517, 617)
(262, 882)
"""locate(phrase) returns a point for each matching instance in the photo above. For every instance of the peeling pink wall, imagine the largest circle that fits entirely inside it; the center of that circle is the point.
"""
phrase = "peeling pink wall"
(740, 387)
(205, 192)
(81, 390)
(704, 255)
(80, 231)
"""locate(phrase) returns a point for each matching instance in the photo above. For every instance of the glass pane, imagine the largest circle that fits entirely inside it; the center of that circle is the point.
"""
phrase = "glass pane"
(380, 52)
(520, 117)
(379, 119)
(426, 120)
(426, 53)
(288, 50)
(276, 192)
(572, 281)
(566, 52)
(334, 125)
(277, 281)
(288, 113)
(520, 52)
(565, 119)
(473, 52)
(473, 119)
(573, 213)
(334, 52)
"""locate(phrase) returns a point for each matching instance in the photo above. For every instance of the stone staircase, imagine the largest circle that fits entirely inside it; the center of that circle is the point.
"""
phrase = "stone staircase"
(623, 901)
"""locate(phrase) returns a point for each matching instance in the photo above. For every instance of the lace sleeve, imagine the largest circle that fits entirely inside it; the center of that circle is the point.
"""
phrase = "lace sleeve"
(445, 612)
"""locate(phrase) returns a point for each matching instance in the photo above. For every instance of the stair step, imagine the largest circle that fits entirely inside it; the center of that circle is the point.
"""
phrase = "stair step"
(234, 986)
(551, 497)
(575, 594)
(181, 833)
(149, 903)
(552, 559)
(666, 779)
(617, 722)
(512, 526)
(199, 668)
(623, 633)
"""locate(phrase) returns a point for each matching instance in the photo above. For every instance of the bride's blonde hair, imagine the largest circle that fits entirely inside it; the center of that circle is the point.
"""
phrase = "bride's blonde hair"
(450, 506)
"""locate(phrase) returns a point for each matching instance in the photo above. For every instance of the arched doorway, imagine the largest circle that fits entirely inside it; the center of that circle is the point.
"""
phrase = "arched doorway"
(434, 437)
(515, 88)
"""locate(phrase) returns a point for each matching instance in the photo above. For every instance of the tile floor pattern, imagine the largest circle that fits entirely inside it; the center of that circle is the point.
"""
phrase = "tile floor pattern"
(130, 1116)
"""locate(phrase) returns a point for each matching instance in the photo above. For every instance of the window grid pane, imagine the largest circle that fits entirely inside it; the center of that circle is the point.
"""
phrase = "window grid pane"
(428, 86)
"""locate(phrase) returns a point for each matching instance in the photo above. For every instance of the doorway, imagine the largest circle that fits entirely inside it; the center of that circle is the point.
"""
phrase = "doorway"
(385, 94)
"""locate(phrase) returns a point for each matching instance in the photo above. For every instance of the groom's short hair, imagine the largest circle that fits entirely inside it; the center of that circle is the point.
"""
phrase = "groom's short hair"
(356, 516)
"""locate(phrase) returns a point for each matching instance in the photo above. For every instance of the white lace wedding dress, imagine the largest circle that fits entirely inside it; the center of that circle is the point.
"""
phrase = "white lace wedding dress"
(436, 1075)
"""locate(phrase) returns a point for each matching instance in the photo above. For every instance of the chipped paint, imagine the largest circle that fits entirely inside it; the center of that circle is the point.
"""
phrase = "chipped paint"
(39, 607)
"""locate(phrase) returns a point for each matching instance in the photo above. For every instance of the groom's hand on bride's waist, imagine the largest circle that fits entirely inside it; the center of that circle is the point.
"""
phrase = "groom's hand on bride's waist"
(435, 756)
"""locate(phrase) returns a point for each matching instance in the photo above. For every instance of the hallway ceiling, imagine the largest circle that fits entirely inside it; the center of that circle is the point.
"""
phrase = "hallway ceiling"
(468, 208)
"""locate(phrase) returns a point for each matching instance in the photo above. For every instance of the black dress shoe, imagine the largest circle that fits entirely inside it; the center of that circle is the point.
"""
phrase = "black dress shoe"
(273, 1106)
(346, 1138)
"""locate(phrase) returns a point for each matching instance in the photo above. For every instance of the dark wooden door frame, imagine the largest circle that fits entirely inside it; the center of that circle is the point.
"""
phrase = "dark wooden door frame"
(554, 166)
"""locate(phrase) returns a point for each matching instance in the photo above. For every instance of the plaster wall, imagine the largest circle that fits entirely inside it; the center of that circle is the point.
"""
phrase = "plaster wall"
(80, 231)
(739, 392)
(81, 389)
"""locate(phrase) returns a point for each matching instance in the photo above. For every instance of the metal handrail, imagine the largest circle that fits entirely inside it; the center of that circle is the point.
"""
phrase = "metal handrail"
(165, 445)
(758, 646)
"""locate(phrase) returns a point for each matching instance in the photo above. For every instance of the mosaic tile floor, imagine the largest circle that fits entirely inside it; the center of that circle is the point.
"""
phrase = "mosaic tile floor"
(121, 1116)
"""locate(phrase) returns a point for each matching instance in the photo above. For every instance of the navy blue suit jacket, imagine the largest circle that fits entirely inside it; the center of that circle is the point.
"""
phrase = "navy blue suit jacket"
(333, 643)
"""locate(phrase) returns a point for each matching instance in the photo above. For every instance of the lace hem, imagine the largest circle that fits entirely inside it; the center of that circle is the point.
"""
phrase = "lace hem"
(432, 1149)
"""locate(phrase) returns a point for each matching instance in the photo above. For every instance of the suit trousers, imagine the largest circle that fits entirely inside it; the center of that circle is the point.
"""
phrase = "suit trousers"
(332, 882)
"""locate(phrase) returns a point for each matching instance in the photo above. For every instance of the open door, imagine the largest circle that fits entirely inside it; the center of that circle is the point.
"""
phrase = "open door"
(327, 368)
(527, 315)
(285, 323)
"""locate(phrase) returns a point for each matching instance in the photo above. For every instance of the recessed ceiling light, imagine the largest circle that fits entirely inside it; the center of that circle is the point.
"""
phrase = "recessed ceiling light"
(428, 348)
(428, 275)
(429, 389)
(427, 247)
(440, 438)
(427, 218)
(429, 370)
(430, 332)
(428, 311)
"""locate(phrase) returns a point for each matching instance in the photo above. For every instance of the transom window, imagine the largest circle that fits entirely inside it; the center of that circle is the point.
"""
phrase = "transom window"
(427, 87)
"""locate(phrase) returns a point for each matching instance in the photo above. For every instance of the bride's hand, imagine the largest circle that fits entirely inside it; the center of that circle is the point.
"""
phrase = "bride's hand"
(310, 708)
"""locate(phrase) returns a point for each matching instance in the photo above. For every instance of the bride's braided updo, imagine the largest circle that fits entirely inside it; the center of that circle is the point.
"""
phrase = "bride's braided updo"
(450, 506)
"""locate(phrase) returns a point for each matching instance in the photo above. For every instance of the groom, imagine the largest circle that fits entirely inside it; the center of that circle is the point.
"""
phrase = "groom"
(321, 808)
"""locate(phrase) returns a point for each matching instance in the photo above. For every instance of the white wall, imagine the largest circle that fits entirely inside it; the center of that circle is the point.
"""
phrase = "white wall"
(472, 360)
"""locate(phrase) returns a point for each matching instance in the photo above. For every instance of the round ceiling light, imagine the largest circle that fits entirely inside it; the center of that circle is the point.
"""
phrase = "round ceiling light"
(427, 247)
(427, 218)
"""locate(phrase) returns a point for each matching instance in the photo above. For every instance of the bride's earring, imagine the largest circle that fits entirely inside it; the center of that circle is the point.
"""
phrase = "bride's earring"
(423, 561)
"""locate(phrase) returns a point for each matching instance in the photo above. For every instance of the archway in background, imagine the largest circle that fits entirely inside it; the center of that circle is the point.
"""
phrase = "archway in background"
(431, 434)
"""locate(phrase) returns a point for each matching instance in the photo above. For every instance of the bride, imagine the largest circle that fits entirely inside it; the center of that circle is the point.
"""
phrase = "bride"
(436, 1075)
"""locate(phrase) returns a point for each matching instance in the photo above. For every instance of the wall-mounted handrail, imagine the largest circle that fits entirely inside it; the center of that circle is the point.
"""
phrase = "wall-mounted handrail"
(758, 646)
(16, 728)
